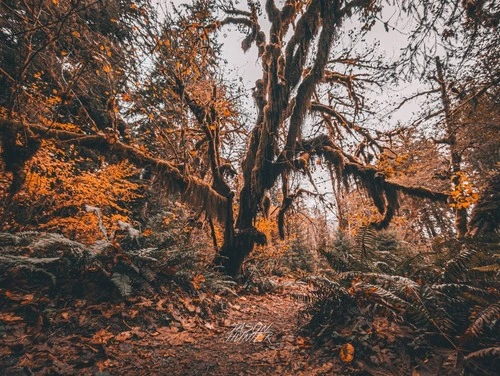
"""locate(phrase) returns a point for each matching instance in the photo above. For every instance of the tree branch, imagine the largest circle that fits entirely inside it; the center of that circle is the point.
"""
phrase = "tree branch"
(193, 191)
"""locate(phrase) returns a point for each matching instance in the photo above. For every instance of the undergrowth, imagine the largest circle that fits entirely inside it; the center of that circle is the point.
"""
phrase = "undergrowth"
(445, 297)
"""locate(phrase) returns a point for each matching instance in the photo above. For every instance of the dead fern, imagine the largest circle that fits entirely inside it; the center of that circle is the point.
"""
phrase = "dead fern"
(488, 318)
(483, 353)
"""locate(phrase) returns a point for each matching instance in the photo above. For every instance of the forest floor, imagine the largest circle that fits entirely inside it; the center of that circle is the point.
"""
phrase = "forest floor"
(89, 321)
(248, 334)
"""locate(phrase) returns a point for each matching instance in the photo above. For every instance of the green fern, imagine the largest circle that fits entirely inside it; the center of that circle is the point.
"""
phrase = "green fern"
(122, 282)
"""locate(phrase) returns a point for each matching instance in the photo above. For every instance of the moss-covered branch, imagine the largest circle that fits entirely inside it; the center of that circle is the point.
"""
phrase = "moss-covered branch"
(193, 191)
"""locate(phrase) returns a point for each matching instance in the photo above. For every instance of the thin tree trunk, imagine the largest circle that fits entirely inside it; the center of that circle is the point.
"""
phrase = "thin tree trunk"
(456, 157)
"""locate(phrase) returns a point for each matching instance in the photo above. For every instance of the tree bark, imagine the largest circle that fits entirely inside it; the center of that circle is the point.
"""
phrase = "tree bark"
(455, 156)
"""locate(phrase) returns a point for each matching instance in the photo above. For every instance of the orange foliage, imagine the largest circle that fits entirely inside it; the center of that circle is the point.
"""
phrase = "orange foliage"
(60, 184)
(275, 248)
(464, 194)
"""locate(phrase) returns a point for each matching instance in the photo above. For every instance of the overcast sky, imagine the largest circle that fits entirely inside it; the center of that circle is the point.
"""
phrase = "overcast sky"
(247, 67)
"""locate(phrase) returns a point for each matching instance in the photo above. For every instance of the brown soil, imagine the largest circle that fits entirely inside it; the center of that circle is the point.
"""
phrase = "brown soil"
(188, 336)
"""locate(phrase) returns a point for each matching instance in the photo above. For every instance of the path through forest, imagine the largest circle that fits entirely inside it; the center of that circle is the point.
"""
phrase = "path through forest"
(248, 334)
(259, 337)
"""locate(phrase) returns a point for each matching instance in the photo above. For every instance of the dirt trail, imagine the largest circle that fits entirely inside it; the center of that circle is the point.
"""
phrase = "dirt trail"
(274, 349)
(258, 336)
(110, 339)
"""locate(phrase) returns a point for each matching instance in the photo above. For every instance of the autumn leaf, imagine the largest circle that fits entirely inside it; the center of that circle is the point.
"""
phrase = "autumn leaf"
(302, 342)
(8, 317)
(102, 337)
(107, 68)
(197, 281)
(123, 336)
(188, 304)
(76, 34)
(260, 337)
(346, 353)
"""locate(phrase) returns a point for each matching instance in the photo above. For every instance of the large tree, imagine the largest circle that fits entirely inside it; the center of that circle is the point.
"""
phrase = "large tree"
(308, 102)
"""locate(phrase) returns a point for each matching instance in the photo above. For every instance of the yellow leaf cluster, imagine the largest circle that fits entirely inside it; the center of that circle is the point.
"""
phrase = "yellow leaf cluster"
(464, 193)
(60, 183)
(106, 68)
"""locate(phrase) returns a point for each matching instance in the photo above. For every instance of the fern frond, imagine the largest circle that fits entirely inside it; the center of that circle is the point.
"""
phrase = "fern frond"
(487, 318)
(219, 283)
(483, 353)
(122, 282)
(456, 269)
(399, 282)
(335, 261)
(366, 240)
(383, 296)
(457, 288)
(383, 266)
(148, 274)
(330, 304)
(429, 304)
(493, 268)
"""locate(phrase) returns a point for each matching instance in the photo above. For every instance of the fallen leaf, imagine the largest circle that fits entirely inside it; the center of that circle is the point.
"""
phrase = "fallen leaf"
(8, 317)
(202, 296)
(102, 337)
(302, 342)
(28, 299)
(188, 304)
(260, 337)
(123, 336)
(65, 315)
(346, 353)
(188, 324)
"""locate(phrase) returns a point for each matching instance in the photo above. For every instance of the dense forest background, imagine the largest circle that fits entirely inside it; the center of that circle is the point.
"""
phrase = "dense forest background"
(136, 165)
